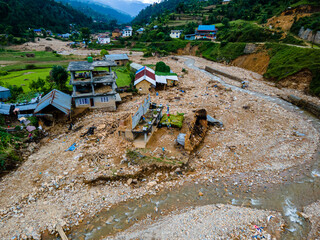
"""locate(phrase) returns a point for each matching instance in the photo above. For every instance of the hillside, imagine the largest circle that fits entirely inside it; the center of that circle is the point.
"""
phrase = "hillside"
(46, 14)
(98, 11)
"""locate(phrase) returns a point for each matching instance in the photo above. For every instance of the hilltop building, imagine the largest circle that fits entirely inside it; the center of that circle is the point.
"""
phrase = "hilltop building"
(175, 33)
(140, 30)
(120, 59)
(206, 32)
(93, 86)
(127, 31)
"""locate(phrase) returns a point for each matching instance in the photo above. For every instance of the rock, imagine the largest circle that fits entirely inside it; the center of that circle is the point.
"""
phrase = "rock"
(129, 181)
(135, 181)
(151, 184)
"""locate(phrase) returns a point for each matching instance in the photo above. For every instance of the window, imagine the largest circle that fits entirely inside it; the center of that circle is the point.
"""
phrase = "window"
(104, 99)
(83, 101)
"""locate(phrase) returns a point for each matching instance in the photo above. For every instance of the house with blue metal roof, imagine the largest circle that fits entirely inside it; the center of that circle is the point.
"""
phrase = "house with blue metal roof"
(54, 102)
(4, 93)
(206, 32)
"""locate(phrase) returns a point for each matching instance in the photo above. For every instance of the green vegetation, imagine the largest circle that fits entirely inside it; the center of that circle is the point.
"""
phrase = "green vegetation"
(59, 76)
(137, 158)
(162, 67)
(173, 121)
(24, 78)
(287, 60)
(312, 22)
(217, 53)
(124, 79)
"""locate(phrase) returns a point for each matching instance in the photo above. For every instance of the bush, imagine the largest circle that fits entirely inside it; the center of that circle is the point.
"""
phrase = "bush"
(3, 73)
(30, 66)
(34, 121)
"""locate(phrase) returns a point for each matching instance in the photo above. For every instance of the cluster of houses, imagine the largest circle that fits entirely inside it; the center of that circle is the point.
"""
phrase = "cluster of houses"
(93, 86)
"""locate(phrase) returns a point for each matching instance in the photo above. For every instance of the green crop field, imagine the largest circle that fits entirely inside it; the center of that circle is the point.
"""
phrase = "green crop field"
(24, 78)
(123, 77)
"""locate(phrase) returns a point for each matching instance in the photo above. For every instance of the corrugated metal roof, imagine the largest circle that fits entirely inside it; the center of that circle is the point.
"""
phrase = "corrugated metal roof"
(86, 66)
(114, 57)
(3, 89)
(26, 107)
(207, 28)
(4, 108)
(57, 99)
(135, 66)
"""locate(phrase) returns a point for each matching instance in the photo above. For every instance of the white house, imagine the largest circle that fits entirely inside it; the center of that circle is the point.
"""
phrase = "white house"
(103, 39)
(175, 33)
(127, 32)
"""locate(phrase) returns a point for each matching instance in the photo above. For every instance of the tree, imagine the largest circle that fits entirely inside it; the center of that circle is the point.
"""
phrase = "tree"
(85, 34)
(226, 22)
(162, 67)
(59, 76)
(104, 52)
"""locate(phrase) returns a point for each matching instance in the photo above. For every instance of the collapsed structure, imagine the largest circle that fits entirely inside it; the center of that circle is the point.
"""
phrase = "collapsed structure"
(94, 84)
(140, 126)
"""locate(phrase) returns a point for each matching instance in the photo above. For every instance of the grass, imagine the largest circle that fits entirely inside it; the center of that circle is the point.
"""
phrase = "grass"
(305, 2)
(288, 60)
(18, 77)
(214, 51)
(175, 120)
(124, 79)
(166, 74)
(39, 56)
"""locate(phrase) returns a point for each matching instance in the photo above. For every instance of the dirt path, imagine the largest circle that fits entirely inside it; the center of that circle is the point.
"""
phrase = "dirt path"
(48, 188)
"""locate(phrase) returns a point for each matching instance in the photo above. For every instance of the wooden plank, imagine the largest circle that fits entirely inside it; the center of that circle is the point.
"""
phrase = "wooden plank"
(61, 232)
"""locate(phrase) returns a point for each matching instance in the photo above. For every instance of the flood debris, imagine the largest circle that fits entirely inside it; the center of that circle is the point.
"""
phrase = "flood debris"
(214, 122)
(89, 132)
(197, 130)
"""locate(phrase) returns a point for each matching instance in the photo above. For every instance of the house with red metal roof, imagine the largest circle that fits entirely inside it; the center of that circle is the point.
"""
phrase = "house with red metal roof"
(145, 80)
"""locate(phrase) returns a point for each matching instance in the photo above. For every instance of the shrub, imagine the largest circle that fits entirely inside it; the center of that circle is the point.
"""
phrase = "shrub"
(162, 67)
(30, 66)
(3, 73)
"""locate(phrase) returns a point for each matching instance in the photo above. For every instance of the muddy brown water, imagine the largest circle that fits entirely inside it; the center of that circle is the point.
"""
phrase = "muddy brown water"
(287, 198)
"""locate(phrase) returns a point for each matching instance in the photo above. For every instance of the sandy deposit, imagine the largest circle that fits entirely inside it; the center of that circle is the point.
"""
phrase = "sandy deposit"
(48, 188)
(312, 212)
(208, 222)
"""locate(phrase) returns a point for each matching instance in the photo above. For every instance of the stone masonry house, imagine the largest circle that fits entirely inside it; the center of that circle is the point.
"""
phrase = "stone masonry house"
(145, 80)
(120, 59)
(94, 84)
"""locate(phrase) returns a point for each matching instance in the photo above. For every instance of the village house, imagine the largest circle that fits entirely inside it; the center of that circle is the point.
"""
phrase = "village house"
(120, 59)
(127, 31)
(225, 2)
(145, 80)
(103, 39)
(66, 35)
(116, 33)
(38, 32)
(175, 33)
(190, 37)
(4, 94)
(94, 84)
(206, 32)
(140, 30)
(54, 106)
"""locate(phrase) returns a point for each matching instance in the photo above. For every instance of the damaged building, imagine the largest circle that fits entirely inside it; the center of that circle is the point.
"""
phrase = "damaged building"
(140, 126)
(94, 84)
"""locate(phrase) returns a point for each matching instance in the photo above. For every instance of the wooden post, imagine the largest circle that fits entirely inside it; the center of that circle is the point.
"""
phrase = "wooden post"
(61, 232)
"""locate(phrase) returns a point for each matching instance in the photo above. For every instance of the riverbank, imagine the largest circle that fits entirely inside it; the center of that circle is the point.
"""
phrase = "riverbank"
(209, 222)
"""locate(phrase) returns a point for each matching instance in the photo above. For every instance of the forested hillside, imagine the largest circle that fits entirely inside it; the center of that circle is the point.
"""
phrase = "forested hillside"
(236, 9)
(99, 12)
(19, 15)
